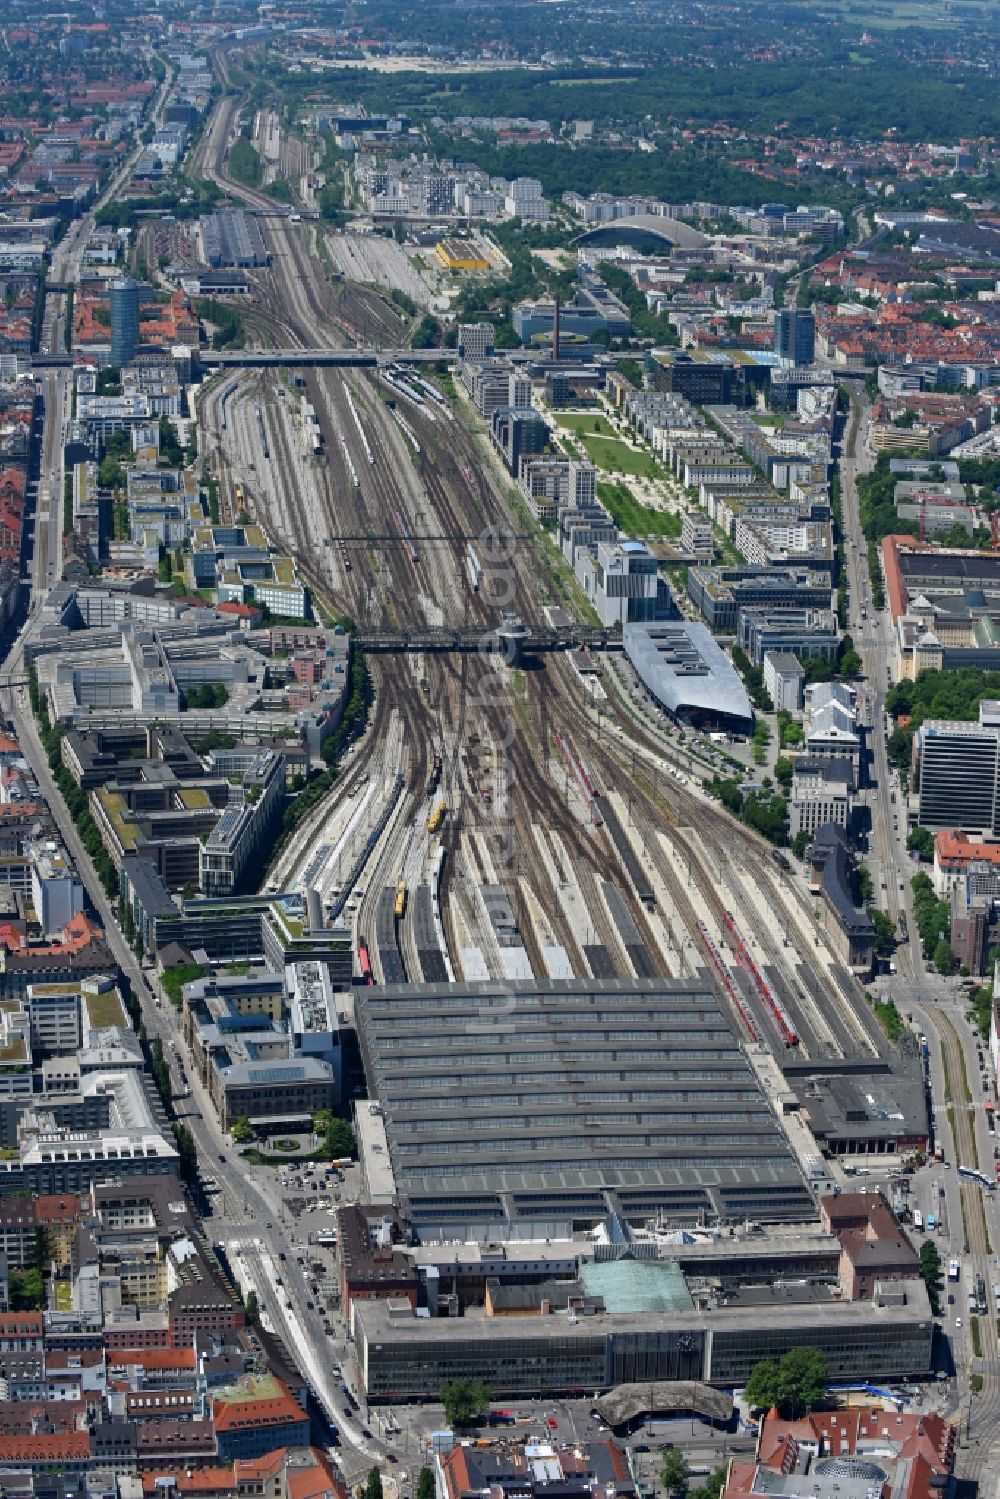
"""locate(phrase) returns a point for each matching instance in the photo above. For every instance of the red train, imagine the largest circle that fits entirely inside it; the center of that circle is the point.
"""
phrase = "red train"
(365, 963)
(778, 1012)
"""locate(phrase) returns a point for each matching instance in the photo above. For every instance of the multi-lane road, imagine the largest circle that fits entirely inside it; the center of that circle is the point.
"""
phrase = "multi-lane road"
(958, 1068)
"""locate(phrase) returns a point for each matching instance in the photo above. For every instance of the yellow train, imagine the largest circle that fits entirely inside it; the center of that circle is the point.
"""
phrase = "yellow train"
(400, 900)
(437, 817)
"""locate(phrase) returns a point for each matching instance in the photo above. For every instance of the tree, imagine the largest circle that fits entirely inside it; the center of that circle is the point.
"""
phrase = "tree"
(944, 959)
(110, 475)
(673, 1469)
(26, 1289)
(241, 1131)
(802, 1375)
(425, 1484)
(801, 842)
(427, 334)
(930, 1269)
(251, 1308)
(187, 1151)
(338, 1136)
(795, 1384)
(761, 1389)
(712, 1487)
(464, 1400)
(885, 932)
(921, 841)
(373, 1488)
(783, 770)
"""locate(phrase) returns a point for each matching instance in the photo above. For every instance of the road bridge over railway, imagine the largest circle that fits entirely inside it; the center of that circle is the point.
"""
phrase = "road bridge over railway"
(417, 538)
(436, 640)
(368, 358)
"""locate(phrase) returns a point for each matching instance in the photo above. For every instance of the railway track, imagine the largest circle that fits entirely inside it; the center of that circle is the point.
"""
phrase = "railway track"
(409, 578)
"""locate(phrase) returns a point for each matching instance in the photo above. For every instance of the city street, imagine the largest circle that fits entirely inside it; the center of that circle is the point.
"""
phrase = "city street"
(968, 1214)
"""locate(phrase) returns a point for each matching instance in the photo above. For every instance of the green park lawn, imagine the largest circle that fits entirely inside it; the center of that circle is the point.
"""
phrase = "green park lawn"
(585, 422)
(635, 519)
(615, 457)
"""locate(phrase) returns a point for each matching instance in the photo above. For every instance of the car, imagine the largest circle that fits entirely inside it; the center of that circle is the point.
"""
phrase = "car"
(366, 1432)
(222, 1158)
(552, 1423)
(282, 1255)
(310, 1306)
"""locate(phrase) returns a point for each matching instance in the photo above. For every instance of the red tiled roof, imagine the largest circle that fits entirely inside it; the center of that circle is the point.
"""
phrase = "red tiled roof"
(21, 1325)
(954, 850)
(240, 1415)
(152, 1358)
(51, 1447)
(57, 1209)
(192, 1481)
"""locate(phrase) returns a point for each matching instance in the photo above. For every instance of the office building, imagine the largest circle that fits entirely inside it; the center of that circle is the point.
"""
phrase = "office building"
(518, 431)
(124, 321)
(721, 593)
(594, 310)
(620, 580)
(703, 378)
(551, 483)
(56, 893)
(958, 765)
(795, 335)
(821, 793)
(476, 341)
(241, 838)
(404, 1357)
(784, 680)
(697, 542)
(850, 928)
(800, 632)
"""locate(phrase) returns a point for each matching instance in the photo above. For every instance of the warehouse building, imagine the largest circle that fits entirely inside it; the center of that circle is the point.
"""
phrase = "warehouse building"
(232, 238)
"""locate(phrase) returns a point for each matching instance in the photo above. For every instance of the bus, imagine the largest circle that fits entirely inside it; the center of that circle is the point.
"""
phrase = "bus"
(918, 1221)
(931, 1223)
(953, 1269)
